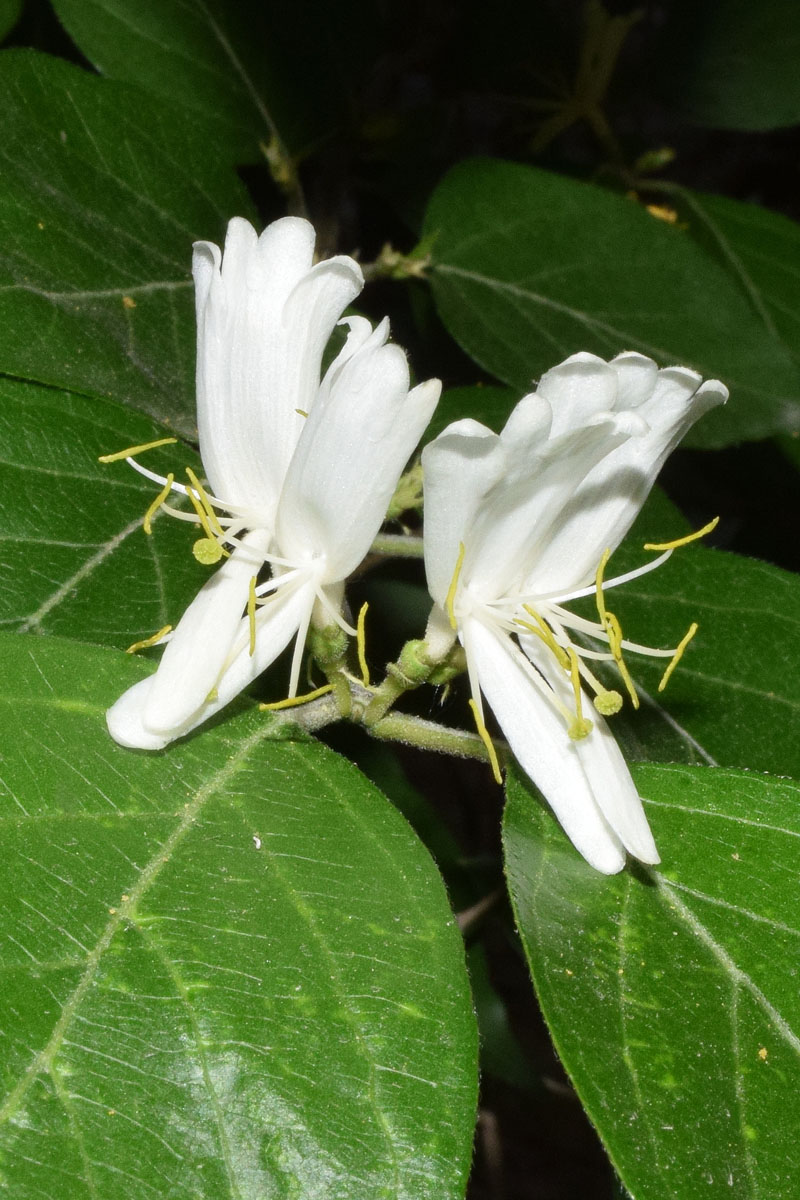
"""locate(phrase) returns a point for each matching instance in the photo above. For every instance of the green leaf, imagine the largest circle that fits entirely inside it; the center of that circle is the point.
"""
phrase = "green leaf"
(734, 699)
(244, 72)
(530, 267)
(759, 249)
(229, 970)
(732, 64)
(75, 558)
(10, 12)
(671, 993)
(103, 194)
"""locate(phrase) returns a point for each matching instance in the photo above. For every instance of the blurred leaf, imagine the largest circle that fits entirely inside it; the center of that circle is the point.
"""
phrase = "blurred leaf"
(75, 558)
(230, 969)
(242, 71)
(10, 12)
(501, 1053)
(732, 64)
(734, 699)
(102, 198)
(672, 994)
(531, 267)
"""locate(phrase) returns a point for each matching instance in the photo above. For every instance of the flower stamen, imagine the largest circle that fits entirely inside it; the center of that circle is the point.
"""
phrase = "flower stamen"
(678, 655)
(293, 701)
(483, 732)
(131, 450)
(145, 643)
(683, 541)
(156, 505)
(451, 591)
(361, 646)
(251, 614)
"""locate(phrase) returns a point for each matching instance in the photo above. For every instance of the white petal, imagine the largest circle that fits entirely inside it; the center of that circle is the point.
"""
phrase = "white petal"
(264, 317)
(515, 524)
(349, 458)
(577, 389)
(277, 623)
(606, 502)
(603, 763)
(539, 739)
(459, 467)
(192, 661)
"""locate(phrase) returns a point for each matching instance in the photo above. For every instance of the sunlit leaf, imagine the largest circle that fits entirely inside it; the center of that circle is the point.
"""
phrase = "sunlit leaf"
(229, 969)
(672, 993)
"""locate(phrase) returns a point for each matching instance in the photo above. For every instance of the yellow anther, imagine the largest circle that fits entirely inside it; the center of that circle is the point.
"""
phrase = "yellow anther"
(483, 733)
(150, 641)
(207, 551)
(156, 505)
(542, 630)
(598, 584)
(451, 591)
(206, 503)
(608, 703)
(579, 729)
(131, 450)
(678, 655)
(684, 541)
(251, 614)
(614, 631)
(361, 645)
(293, 701)
(211, 536)
(301, 412)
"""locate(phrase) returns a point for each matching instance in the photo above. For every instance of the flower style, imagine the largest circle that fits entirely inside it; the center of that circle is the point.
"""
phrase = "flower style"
(520, 524)
(301, 471)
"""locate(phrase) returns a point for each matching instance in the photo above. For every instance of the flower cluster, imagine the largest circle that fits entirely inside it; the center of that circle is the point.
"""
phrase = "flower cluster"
(301, 467)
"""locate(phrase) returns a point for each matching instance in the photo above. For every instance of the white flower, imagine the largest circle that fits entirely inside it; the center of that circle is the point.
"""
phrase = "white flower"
(519, 524)
(303, 468)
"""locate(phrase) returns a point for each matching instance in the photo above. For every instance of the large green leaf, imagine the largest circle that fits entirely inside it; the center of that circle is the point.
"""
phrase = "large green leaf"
(530, 267)
(229, 969)
(76, 560)
(759, 249)
(734, 699)
(244, 71)
(732, 64)
(103, 193)
(672, 994)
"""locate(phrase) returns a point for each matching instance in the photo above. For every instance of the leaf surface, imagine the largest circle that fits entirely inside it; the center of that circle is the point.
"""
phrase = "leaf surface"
(229, 969)
(530, 267)
(76, 560)
(672, 993)
(245, 72)
(101, 201)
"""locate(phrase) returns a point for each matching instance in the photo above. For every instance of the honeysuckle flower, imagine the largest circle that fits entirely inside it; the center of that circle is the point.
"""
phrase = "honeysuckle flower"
(300, 470)
(520, 524)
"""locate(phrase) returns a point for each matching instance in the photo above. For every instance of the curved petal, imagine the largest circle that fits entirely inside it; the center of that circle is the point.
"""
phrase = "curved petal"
(539, 739)
(459, 467)
(276, 625)
(577, 390)
(350, 455)
(264, 316)
(606, 502)
(603, 764)
(193, 659)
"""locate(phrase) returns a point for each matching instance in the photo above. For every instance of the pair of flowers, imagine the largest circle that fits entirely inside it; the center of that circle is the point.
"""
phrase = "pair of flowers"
(301, 470)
